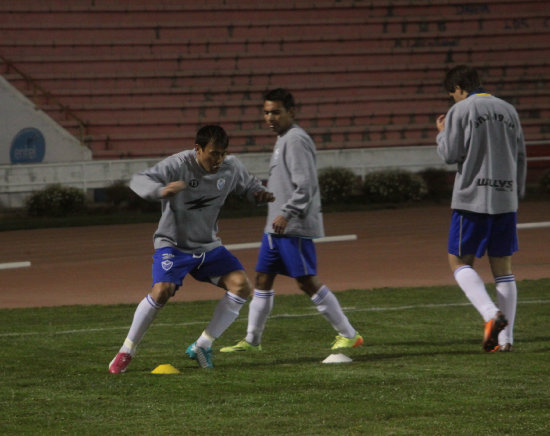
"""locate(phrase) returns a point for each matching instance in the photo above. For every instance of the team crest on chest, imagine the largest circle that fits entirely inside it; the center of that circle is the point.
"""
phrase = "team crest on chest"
(193, 183)
(221, 184)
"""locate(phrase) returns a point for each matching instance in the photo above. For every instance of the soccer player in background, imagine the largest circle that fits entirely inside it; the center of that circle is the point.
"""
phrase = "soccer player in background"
(293, 220)
(192, 186)
(483, 136)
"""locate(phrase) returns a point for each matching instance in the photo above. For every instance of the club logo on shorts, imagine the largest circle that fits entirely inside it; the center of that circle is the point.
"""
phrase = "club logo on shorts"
(221, 184)
(167, 264)
(193, 183)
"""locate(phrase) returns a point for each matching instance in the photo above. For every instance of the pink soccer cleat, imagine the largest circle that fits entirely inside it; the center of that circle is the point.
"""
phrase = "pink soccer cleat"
(119, 364)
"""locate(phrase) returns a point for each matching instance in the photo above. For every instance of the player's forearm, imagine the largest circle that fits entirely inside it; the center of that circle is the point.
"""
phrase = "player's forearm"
(521, 174)
(297, 205)
(252, 188)
(447, 150)
(144, 186)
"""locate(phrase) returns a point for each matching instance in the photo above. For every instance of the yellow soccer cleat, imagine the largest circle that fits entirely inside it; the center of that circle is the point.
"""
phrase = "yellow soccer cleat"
(241, 346)
(343, 342)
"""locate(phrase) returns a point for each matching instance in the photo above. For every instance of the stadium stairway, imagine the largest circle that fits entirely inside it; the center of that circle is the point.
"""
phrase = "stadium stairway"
(134, 79)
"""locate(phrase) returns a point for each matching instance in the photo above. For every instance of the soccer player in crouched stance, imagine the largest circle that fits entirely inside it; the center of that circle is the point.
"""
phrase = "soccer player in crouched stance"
(192, 186)
(483, 136)
(293, 220)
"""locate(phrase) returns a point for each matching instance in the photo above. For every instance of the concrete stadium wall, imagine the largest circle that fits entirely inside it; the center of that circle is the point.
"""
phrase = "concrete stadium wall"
(18, 181)
(28, 135)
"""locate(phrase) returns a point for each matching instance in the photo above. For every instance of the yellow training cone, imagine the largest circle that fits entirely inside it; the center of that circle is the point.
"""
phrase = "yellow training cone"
(165, 369)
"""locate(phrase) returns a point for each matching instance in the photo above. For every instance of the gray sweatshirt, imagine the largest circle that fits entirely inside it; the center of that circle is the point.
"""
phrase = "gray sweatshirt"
(483, 136)
(293, 181)
(189, 220)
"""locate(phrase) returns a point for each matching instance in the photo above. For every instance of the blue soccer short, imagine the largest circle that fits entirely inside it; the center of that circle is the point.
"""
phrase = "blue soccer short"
(172, 265)
(287, 255)
(477, 233)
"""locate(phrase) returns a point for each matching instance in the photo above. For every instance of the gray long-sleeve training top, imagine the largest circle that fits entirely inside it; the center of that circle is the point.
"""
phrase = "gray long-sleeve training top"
(293, 180)
(189, 220)
(483, 136)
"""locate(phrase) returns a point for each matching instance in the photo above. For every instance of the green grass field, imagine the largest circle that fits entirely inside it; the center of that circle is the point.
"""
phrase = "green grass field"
(421, 371)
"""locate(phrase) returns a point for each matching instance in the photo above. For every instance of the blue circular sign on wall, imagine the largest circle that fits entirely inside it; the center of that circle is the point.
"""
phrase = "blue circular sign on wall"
(28, 146)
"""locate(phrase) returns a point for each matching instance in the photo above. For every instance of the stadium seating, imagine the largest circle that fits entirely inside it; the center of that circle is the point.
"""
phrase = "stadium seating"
(136, 79)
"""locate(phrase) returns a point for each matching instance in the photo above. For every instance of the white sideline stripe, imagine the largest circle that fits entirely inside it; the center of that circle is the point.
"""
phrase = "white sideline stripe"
(11, 265)
(245, 319)
(243, 246)
(538, 225)
(339, 238)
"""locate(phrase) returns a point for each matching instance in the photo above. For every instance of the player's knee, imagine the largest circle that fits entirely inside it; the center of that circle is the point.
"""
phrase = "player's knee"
(309, 284)
(501, 266)
(307, 288)
(162, 292)
(238, 284)
(263, 281)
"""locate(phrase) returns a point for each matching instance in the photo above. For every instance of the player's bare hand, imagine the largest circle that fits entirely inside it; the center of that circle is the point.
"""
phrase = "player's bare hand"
(279, 224)
(264, 197)
(440, 123)
(173, 188)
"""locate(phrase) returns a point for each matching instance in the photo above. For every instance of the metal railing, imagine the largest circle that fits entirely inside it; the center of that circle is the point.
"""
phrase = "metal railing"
(37, 90)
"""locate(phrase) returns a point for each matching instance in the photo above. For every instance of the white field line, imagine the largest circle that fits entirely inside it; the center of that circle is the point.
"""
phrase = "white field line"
(11, 265)
(244, 319)
(248, 245)
(538, 225)
(338, 238)
(241, 246)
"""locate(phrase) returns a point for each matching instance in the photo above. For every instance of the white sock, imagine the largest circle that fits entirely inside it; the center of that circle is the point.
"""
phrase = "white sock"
(226, 312)
(143, 317)
(205, 340)
(327, 304)
(258, 312)
(507, 295)
(470, 282)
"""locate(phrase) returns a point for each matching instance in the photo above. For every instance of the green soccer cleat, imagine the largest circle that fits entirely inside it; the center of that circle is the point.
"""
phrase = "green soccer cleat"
(241, 346)
(343, 342)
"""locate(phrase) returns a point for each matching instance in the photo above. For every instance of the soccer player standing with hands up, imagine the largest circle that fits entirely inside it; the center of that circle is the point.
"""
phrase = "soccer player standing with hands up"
(483, 136)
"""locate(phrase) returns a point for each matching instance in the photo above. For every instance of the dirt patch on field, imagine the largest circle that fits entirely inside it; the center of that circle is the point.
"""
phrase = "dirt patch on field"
(112, 264)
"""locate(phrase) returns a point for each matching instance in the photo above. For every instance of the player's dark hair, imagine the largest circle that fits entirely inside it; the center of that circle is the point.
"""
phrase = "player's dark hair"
(212, 134)
(282, 95)
(464, 76)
